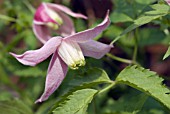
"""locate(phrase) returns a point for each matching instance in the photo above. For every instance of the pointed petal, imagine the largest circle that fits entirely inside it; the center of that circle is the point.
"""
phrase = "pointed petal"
(89, 34)
(41, 32)
(66, 10)
(56, 73)
(94, 49)
(34, 57)
(67, 28)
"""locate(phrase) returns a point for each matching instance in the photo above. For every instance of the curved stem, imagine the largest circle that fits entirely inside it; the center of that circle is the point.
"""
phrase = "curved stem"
(108, 87)
(119, 59)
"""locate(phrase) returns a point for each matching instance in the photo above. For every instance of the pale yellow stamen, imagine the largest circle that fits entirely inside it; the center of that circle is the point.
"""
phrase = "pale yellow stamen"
(56, 17)
(71, 54)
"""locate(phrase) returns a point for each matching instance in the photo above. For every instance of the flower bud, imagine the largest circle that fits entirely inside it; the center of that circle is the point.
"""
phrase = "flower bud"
(57, 19)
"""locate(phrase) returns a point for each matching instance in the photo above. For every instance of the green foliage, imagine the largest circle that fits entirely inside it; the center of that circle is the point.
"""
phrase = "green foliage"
(146, 18)
(88, 79)
(146, 81)
(134, 23)
(92, 76)
(167, 54)
(150, 36)
(25, 71)
(128, 104)
(14, 107)
(76, 103)
(120, 17)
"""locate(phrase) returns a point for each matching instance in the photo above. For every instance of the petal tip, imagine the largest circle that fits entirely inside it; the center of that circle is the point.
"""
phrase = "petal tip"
(13, 54)
(18, 57)
(38, 101)
(84, 17)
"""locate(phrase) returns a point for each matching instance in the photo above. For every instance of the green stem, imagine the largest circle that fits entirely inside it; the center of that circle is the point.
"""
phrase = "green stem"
(136, 45)
(119, 59)
(29, 6)
(108, 87)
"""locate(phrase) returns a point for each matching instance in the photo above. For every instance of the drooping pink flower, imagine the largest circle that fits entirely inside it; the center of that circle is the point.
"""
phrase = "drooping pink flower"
(168, 1)
(67, 52)
(53, 16)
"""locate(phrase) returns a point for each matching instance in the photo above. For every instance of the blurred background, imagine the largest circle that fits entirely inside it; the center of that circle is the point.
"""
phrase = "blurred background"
(21, 85)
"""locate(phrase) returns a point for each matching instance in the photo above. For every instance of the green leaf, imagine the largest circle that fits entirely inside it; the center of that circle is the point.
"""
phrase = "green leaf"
(30, 39)
(128, 104)
(6, 18)
(76, 103)
(167, 53)
(145, 1)
(24, 71)
(31, 71)
(146, 81)
(88, 79)
(43, 109)
(146, 18)
(14, 107)
(92, 76)
(120, 17)
(148, 36)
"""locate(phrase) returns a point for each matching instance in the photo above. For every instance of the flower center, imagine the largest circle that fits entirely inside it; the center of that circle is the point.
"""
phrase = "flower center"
(56, 17)
(71, 54)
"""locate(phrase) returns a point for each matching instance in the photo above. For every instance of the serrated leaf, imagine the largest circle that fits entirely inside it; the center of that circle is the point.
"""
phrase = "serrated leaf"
(88, 79)
(146, 81)
(91, 77)
(76, 103)
(146, 18)
(14, 107)
(167, 53)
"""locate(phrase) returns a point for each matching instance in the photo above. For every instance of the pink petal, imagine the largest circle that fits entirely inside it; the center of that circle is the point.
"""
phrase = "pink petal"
(168, 1)
(34, 57)
(41, 32)
(94, 49)
(56, 73)
(41, 14)
(89, 34)
(66, 10)
(67, 28)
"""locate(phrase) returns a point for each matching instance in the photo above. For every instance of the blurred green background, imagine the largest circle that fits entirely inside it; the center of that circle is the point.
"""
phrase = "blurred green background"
(21, 85)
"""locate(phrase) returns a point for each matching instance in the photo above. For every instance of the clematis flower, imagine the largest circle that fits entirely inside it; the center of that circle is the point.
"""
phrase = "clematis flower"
(67, 52)
(168, 1)
(53, 16)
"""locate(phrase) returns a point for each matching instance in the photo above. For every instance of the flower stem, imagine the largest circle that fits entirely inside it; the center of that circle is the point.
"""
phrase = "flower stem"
(136, 45)
(119, 59)
(108, 87)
